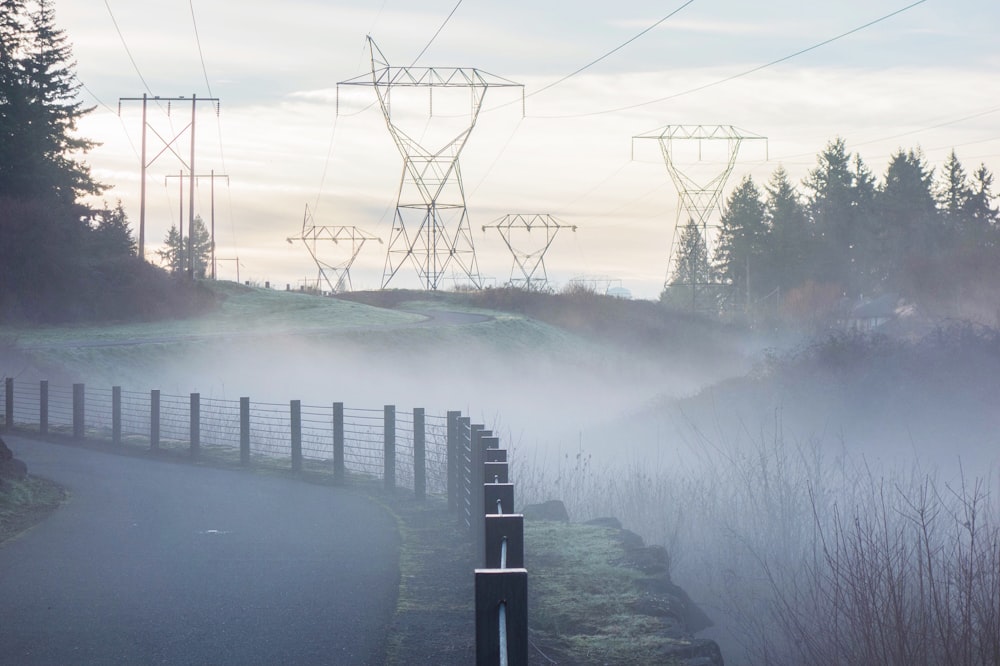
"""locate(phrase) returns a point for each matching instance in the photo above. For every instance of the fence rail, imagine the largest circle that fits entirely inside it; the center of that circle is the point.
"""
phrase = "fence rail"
(407, 449)
(429, 454)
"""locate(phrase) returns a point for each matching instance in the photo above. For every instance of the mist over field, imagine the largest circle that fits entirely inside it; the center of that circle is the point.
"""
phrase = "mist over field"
(738, 449)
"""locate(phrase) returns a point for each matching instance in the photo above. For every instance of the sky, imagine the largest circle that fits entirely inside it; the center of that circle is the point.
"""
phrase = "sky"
(594, 75)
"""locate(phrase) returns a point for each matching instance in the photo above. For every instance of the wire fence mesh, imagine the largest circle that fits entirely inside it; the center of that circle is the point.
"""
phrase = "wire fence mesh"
(145, 418)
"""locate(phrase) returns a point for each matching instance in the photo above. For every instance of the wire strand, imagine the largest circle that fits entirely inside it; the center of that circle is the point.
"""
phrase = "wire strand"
(611, 52)
(448, 18)
(744, 73)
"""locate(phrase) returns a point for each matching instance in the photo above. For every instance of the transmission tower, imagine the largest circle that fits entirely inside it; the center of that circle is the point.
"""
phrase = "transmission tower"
(312, 234)
(530, 262)
(431, 225)
(699, 199)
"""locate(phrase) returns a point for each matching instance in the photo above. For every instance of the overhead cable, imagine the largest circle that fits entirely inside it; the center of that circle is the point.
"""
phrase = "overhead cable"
(611, 52)
(744, 73)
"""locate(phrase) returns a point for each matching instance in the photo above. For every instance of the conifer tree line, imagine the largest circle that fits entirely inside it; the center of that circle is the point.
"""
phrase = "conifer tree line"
(931, 237)
(60, 259)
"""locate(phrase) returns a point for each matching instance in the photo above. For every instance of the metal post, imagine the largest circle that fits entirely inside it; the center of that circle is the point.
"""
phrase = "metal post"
(43, 407)
(245, 431)
(453, 459)
(194, 109)
(142, 186)
(296, 418)
(154, 419)
(338, 441)
(389, 458)
(419, 454)
(505, 589)
(8, 412)
(116, 415)
(78, 411)
(195, 424)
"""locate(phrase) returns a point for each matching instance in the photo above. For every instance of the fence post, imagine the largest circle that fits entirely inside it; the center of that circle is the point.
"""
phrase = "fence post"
(501, 607)
(389, 436)
(464, 471)
(78, 410)
(504, 541)
(43, 407)
(116, 415)
(195, 424)
(8, 411)
(477, 478)
(338, 442)
(154, 419)
(244, 431)
(452, 456)
(419, 454)
(499, 497)
(296, 418)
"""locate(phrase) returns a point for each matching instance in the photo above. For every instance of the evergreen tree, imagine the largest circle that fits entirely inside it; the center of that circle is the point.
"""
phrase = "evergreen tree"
(176, 251)
(789, 241)
(832, 214)
(38, 108)
(910, 225)
(112, 236)
(740, 254)
(692, 282)
(984, 218)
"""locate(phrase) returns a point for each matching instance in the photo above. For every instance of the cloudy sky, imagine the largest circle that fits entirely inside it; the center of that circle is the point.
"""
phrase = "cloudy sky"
(796, 73)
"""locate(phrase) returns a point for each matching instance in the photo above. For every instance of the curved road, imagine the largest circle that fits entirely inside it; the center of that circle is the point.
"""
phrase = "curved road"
(160, 563)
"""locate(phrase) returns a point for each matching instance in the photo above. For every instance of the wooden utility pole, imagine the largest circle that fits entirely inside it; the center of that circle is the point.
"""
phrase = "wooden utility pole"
(168, 145)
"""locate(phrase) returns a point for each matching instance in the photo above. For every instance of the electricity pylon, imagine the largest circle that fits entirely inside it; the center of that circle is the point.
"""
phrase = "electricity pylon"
(533, 261)
(431, 225)
(699, 201)
(311, 234)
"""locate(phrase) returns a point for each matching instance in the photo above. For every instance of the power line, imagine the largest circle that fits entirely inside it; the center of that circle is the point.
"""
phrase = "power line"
(127, 51)
(744, 73)
(611, 52)
(448, 18)
(201, 55)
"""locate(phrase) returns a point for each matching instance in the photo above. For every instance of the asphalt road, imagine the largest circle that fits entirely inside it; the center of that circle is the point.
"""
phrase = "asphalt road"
(160, 563)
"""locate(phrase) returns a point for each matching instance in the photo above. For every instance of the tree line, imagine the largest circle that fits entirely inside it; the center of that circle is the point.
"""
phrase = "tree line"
(62, 259)
(931, 238)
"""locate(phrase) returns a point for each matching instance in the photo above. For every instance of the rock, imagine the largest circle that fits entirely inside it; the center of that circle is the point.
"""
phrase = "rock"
(697, 652)
(610, 522)
(11, 467)
(551, 510)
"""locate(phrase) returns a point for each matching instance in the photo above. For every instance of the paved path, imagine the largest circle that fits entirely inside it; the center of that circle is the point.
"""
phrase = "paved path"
(161, 563)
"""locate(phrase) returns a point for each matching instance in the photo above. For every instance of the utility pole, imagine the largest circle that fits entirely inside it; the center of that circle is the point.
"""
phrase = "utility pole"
(168, 145)
(211, 176)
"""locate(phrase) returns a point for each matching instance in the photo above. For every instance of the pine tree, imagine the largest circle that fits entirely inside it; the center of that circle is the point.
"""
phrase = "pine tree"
(910, 224)
(691, 284)
(112, 236)
(38, 109)
(983, 216)
(175, 251)
(831, 213)
(789, 241)
(741, 248)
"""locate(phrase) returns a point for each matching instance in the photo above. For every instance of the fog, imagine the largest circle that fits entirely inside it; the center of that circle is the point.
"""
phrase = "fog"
(736, 450)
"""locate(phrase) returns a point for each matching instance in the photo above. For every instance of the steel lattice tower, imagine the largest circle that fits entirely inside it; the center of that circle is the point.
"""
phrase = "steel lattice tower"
(698, 201)
(311, 234)
(533, 261)
(431, 225)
